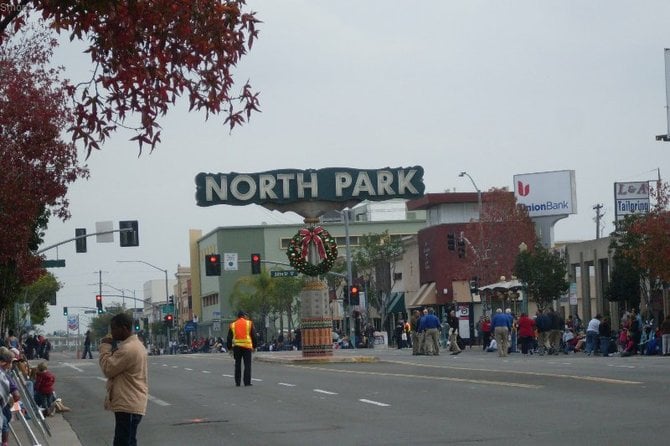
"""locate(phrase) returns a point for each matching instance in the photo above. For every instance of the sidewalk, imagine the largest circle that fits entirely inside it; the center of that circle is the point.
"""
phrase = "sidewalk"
(61, 432)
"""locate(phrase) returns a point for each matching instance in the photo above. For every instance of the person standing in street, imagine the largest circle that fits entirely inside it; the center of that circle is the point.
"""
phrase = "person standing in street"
(526, 331)
(501, 325)
(242, 342)
(123, 360)
(605, 332)
(452, 320)
(592, 333)
(414, 327)
(87, 346)
(430, 326)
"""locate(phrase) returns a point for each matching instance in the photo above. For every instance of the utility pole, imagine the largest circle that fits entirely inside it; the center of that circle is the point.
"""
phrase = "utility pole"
(599, 215)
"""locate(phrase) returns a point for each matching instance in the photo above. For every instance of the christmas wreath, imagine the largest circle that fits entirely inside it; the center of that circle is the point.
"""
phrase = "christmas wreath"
(298, 250)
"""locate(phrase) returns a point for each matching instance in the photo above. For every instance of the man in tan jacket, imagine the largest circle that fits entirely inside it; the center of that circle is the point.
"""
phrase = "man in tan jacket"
(123, 360)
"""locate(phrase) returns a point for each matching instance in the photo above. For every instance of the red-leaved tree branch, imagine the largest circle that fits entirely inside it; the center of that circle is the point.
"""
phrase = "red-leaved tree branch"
(145, 55)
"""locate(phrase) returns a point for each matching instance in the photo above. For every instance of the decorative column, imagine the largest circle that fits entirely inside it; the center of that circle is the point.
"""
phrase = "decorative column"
(315, 320)
(312, 252)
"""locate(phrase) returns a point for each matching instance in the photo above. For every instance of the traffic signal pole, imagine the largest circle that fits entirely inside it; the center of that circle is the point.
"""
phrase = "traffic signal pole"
(83, 236)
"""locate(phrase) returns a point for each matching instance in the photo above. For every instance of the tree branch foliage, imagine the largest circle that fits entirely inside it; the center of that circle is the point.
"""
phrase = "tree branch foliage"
(145, 54)
(494, 242)
(642, 251)
(374, 259)
(36, 165)
(543, 273)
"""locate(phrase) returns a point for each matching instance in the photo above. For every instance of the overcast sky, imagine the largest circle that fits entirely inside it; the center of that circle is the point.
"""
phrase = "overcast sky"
(495, 88)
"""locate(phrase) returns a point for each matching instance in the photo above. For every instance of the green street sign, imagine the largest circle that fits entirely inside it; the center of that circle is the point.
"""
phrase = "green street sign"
(288, 273)
(53, 263)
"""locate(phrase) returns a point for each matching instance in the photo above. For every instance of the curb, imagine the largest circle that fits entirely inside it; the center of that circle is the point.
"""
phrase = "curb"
(298, 359)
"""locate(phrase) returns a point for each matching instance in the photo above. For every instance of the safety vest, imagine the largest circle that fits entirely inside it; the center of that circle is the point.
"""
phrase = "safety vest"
(241, 329)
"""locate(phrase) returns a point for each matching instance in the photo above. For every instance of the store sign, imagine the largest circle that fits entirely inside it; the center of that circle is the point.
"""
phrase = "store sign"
(631, 198)
(292, 185)
(547, 193)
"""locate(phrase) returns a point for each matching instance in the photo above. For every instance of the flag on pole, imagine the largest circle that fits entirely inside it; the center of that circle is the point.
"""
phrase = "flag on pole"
(73, 322)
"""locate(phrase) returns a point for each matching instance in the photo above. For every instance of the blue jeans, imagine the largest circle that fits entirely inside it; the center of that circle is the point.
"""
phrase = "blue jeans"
(604, 345)
(591, 339)
(125, 431)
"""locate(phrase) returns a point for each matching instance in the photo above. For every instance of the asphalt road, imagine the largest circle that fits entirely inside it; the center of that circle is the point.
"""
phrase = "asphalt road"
(473, 398)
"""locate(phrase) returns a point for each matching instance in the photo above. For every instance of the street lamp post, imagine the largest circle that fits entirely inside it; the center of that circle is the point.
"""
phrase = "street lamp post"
(479, 193)
(165, 271)
(481, 235)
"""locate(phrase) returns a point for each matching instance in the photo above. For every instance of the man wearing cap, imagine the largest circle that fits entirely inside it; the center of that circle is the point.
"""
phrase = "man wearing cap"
(242, 341)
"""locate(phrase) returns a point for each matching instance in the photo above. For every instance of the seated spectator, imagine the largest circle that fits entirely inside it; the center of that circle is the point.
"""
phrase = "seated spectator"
(44, 388)
(629, 348)
(580, 342)
(647, 335)
(569, 341)
(622, 339)
(653, 344)
(9, 392)
(493, 346)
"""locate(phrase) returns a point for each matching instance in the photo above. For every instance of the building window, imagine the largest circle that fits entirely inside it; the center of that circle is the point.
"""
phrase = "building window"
(212, 299)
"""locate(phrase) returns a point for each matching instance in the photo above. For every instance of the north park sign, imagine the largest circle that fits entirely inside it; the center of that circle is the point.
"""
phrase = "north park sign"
(286, 186)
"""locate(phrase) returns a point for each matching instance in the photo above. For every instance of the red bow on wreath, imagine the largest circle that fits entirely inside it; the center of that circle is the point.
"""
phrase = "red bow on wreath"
(312, 236)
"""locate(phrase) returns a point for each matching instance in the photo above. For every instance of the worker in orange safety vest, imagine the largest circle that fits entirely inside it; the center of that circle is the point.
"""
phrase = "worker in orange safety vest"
(242, 342)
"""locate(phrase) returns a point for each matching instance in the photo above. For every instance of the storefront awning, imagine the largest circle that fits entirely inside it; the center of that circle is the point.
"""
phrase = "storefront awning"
(427, 295)
(396, 303)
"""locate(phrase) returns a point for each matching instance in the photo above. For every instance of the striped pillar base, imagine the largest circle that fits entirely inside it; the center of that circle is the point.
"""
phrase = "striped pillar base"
(316, 323)
(317, 337)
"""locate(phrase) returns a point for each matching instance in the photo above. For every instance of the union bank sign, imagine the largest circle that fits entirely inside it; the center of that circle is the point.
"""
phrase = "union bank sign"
(287, 186)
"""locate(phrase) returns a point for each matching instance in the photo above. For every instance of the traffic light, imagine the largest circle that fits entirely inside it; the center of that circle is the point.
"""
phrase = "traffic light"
(461, 248)
(255, 263)
(64, 311)
(213, 265)
(474, 286)
(137, 325)
(98, 303)
(451, 241)
(129, 234)
(354, 298)
(171, 300)
(80, 239)
(168, 321)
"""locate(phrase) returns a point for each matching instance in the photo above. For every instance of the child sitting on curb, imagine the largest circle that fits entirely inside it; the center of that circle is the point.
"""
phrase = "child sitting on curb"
(44, 388)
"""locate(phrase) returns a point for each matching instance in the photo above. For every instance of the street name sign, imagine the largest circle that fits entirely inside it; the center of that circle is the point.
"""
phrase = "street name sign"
(287, 273)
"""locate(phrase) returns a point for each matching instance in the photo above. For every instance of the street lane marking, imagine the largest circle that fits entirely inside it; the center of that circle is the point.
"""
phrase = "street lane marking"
(376, 403)
(325, 391)
(206, 371)
(286, 384)
(516, 372)
(72, 366)
(186, 368)
(153, 399)
(621, 366)
(256, 379)
(437, 378)
(228, 376)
